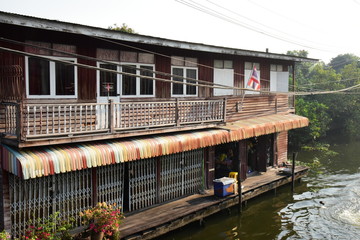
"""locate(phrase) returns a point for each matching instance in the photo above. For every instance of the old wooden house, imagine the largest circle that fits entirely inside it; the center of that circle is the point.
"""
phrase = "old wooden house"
(90, 115)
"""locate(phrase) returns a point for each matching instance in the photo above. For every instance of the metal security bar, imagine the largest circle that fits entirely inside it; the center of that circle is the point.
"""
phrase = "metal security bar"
(67, 193)
(181, 174)
(142, 183)
(110, 184)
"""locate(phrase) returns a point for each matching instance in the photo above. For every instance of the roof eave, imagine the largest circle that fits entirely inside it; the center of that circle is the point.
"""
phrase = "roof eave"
(54, 25)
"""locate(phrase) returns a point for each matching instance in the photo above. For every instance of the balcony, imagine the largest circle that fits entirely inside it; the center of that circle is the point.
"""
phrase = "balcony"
(25, 124)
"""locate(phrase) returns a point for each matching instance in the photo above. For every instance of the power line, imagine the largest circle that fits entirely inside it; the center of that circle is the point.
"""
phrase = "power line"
(171, 81)
(221, 16)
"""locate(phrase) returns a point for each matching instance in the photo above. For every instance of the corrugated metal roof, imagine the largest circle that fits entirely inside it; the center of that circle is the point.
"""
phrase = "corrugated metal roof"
(54, 25)
(44, 161)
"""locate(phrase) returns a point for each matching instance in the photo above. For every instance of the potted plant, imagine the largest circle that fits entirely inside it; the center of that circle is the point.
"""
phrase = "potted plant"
(103, 220)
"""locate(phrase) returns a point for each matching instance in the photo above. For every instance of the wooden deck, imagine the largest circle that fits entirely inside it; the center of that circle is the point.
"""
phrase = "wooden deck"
(38, 123)
(167, 217)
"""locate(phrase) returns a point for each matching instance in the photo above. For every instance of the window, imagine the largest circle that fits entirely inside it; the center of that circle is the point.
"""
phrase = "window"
(108, 81)
(130, 85)
(223, 64)
(138, 86)
(48, 79)
(180, 89)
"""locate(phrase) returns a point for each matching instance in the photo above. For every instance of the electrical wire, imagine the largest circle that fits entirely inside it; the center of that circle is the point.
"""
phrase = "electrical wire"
(172, 81)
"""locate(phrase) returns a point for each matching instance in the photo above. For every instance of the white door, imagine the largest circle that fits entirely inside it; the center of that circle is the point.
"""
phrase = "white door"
(224, 77)
(108, 88)
(108, 85)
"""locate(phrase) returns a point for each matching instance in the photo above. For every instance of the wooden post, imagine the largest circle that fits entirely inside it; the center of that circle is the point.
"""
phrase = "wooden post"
(293, 173)
(111, 116)
(177, 113)
(19, 121)
(224, 111)
(239, 186)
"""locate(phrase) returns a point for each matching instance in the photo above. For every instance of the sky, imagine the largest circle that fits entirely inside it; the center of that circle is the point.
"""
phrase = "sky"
(324, 28)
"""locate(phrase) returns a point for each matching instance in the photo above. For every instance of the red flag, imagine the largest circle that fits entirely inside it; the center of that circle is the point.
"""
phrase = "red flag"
(254, 81)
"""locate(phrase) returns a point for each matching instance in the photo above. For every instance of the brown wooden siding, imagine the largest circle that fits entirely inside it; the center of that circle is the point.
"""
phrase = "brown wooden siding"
(265, 76)
(86, 77)
(12, 84)
(5, 198)
(210, 165)
(239, 65)
(282, 147)
(253, 106)
(206, 73)
(162, 64)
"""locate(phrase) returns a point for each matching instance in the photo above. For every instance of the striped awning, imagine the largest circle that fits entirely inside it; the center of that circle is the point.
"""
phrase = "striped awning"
(44, 161)
(264, 125)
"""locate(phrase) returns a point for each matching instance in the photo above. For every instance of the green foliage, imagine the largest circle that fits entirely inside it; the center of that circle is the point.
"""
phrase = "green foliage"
(122, 28)
(4, 235)
(329, 114)
(340, 61)
(54, 228)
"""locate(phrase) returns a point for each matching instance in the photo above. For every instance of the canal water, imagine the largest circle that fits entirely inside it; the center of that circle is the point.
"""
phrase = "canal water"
(325, 205)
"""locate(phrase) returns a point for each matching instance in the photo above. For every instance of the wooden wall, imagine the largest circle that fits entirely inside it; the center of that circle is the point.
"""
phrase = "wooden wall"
(87, 46)
(255, 105)
(12, 84)
(86, 77)
(206, 74)
(162, 89)
(282, 147)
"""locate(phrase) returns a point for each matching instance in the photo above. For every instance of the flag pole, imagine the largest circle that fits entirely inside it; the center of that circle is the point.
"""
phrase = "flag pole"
(242, 99)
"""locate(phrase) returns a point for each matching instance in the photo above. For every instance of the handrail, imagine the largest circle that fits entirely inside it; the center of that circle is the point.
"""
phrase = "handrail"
(29, 120)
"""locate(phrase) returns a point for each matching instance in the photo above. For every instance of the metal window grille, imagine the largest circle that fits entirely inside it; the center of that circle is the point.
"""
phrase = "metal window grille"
(110, 184)
(67, 193)
(142, 183)
(181, 174)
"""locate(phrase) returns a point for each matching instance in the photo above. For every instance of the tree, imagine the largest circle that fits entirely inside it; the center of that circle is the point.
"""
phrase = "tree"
(338, 62)
(123, 28)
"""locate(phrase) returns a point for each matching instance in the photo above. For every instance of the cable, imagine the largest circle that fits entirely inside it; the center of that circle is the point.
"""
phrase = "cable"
(221, 16)
(172, 81)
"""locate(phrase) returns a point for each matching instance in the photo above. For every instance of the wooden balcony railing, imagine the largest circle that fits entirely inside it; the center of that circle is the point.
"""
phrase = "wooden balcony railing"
(33, 121)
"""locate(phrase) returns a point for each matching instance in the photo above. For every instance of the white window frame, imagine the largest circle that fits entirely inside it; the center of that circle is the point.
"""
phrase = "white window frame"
(137, 65)
(184, 85)
(98, 64)
(52, 79)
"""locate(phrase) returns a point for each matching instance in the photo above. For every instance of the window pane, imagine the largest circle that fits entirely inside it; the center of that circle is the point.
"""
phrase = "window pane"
(65, 79)
(146, 85)
(108, 81)
(178, 88)
(129, 82)
(218, 64)
(39, 77)
(190, 90)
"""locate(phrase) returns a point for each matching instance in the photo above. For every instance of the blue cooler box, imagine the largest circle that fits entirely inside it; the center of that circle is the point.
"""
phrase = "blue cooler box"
(223, 186)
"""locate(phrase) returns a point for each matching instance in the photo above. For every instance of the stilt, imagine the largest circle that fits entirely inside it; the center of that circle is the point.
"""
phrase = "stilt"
(293, 173)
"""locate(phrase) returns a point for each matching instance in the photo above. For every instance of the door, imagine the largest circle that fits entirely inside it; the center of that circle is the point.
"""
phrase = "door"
(108, 86)
(181, 174)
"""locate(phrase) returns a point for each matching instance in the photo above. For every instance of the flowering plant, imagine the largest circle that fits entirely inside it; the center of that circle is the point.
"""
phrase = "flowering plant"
(51, 229)
(103, 218)
(4, 235)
